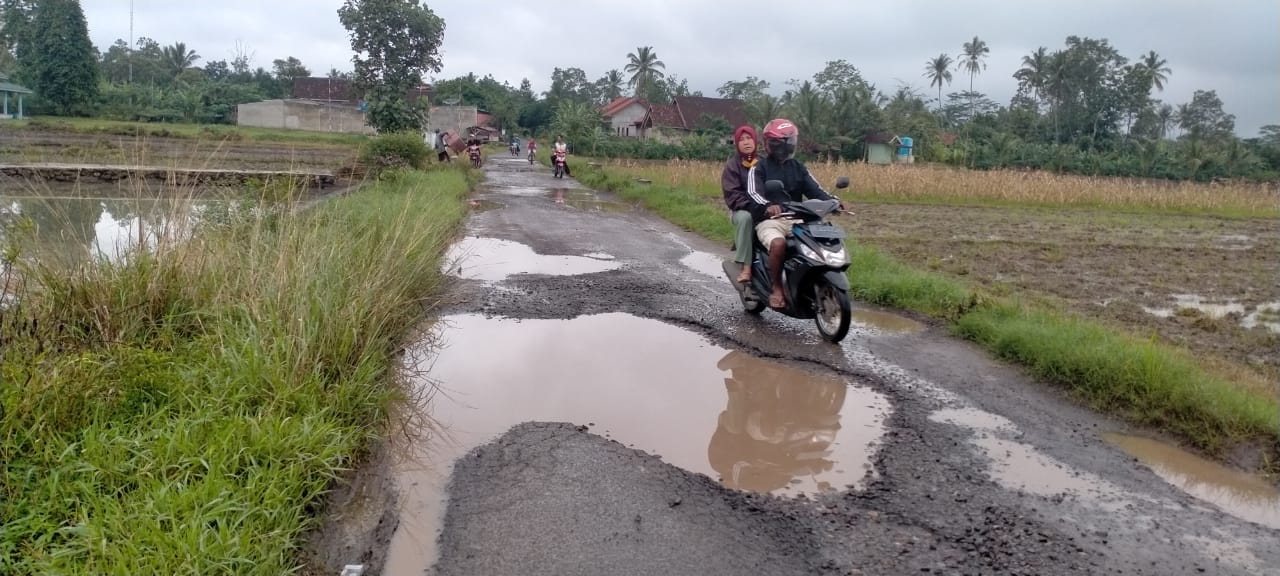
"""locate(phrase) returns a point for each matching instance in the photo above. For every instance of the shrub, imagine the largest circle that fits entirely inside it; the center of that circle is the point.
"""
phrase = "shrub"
(399, 150)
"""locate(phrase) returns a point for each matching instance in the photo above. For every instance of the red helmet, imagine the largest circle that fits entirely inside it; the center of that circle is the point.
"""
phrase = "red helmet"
(780, 137)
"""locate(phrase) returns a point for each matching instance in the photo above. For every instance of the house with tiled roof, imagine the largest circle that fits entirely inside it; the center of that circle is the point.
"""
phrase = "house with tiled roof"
(687, 114)
(625, 115)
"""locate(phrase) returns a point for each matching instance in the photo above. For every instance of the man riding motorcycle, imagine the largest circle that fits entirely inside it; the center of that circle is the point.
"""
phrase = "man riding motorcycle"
(779, 163)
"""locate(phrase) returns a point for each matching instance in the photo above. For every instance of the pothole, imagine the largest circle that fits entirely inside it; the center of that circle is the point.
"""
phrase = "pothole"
(704, 263)
(484, 205)
(973, 418)
(1242, 495)
(493, 260)
(1020, 466)
(886, 321)
(753, 424)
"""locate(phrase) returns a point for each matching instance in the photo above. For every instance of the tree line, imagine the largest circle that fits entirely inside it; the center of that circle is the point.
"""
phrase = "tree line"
(45, 44)
(1082, 108)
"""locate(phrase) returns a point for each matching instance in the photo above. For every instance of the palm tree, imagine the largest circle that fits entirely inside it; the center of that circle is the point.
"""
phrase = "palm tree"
(177, 58)
(644, 67)
(612, 86)
(764, 108)
(1035, 71)
(1158, 68)
(975, 53)
(1167, 119)
(938, 70)
(1057, 81)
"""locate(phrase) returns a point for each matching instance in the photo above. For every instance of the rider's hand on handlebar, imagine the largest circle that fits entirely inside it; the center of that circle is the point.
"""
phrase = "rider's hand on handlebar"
(773, 211)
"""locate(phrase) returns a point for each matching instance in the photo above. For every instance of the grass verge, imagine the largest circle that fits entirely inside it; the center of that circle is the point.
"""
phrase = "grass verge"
(1145, 382)
(188, 131)
(183, 410)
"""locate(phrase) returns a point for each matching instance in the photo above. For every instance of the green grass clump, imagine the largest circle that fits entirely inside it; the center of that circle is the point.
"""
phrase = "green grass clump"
(182, 411)
(1143, 381)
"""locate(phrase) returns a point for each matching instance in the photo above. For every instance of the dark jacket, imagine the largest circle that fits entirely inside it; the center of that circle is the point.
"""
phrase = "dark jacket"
(734, 182)
(797, 183)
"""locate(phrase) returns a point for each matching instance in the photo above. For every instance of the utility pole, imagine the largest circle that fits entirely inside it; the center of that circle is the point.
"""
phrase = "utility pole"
(130, 56)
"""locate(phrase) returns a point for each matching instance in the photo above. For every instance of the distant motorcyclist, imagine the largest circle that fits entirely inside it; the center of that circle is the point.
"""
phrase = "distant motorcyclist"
(780, 139)
(473, 150)
(560, 151)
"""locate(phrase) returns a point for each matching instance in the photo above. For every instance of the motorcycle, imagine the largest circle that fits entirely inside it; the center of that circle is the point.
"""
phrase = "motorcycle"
(475, 158)
(812, 271)
(558, 160)
(515, 150)
(532, 159)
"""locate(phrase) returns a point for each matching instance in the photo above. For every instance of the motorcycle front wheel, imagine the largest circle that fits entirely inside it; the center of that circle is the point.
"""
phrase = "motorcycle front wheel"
(833, 313)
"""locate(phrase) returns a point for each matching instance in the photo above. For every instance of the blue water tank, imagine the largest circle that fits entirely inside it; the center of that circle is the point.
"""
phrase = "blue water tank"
(904, 149)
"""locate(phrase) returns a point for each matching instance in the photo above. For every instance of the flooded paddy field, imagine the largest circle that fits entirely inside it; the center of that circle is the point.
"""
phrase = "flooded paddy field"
(1206, 283)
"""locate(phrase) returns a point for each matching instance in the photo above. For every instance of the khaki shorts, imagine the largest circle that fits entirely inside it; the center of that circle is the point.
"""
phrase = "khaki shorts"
(769, 230)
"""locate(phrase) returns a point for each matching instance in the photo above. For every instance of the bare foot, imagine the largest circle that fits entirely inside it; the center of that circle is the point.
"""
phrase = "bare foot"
(777, 299)
(745, 276)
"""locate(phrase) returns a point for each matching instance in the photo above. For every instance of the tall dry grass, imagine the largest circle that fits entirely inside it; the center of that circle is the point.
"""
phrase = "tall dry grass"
(939, 184)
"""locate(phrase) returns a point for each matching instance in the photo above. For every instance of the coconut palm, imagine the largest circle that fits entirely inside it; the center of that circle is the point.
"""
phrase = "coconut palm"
(1158, 69)
(612, 84)
(975, 54)
(938, 71)
(1167, 120)
(644, 67)
(1035, 71)
(178, 58)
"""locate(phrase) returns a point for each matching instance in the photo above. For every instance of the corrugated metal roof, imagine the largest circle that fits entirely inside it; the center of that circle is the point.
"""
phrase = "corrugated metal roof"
(11, 87)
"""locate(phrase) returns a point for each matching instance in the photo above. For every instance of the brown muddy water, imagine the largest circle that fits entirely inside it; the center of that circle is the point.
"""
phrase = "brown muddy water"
(1242, 495)
(753, 424)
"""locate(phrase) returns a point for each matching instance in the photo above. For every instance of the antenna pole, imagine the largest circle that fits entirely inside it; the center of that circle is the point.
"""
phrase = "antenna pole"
(130, 55)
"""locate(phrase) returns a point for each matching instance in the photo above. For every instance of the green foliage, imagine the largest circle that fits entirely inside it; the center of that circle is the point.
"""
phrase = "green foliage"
(389, 151)
(60, 61)
(395, 42)
(185, 410)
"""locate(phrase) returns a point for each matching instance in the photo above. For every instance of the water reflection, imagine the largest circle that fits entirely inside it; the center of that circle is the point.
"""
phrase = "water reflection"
(72, 230)
(776, 429)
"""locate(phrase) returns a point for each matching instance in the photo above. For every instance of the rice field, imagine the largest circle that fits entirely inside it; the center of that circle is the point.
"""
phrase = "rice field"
(933, 184)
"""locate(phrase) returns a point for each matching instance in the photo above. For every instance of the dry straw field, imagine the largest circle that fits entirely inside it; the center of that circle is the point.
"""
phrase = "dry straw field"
(936, 184)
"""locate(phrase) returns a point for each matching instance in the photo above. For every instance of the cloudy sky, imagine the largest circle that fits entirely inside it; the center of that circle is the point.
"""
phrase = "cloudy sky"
(1228, 45)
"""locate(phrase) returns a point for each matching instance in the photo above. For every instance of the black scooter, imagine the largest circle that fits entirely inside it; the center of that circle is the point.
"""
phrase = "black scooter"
(812, 272)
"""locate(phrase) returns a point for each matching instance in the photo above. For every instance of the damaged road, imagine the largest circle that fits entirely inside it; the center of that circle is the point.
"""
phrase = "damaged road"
(602, 405)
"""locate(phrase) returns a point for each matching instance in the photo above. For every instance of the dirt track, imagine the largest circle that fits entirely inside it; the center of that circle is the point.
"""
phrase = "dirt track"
(975, 469)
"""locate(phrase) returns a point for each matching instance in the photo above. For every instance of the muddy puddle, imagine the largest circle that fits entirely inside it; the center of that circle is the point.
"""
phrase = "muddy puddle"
(1242, 495)
(585, 200)
(485, 205)
(704, 263)
(1021, 467)
(753, 424)
(494, 260)
(886, 321)
(1265, 315)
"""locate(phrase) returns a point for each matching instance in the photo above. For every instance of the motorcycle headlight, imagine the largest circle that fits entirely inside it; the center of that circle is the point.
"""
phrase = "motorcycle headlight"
(808, 252)
(835, 257)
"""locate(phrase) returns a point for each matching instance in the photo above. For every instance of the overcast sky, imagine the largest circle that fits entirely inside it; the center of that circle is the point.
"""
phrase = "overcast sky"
(1232, 46)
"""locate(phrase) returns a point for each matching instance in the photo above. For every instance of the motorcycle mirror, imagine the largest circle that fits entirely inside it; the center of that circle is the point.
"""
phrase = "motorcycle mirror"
(842, 182)
(773, 186)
